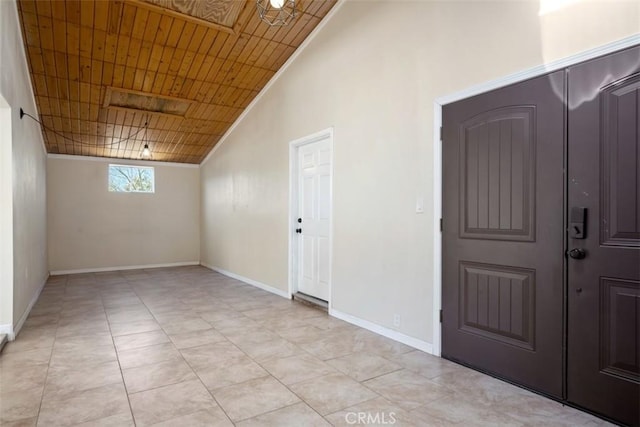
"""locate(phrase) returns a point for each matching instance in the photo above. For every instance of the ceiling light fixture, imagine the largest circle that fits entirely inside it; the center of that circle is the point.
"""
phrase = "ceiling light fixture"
(276, 12)
(146, 152)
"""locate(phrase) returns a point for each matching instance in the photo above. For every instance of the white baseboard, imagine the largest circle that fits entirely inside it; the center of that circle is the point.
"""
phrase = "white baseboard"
(8, 330)
(126, 267)
(26, 313)
(248, 281)
(385, 332)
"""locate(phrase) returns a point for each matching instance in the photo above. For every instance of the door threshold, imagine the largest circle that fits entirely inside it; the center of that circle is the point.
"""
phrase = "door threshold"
(311, 301)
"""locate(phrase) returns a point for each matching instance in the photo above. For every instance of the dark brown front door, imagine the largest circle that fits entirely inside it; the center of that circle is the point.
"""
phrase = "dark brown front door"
(503, 253)
(604, 286)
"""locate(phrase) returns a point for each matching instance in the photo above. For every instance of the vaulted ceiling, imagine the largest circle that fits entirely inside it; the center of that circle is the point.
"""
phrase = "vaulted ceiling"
(188, 68)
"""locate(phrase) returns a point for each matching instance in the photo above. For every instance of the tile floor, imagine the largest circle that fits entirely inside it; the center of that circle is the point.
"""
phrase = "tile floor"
(190, 347)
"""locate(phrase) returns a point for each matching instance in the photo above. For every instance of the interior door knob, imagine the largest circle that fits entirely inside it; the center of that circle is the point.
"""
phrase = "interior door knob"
(577, 253)
(298, 230)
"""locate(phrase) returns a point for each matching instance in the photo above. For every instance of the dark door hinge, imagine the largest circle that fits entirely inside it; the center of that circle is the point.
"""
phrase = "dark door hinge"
(440, 316)
(440, 133)
(441, 225)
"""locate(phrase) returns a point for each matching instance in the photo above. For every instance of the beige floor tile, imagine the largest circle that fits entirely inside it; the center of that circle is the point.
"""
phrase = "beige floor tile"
(47, 305)
(78, 343)
(18, 405)
(484, 419)
(133, 327)
(226, 323)
(407, 389)
(157, 375)
(148, 355)
(21, 379)
(276, 348)
(362, 366)
(26, 422)
(175, 314)
(83, 328)
(42, 320)
(329, 323)
(293, 369)
(95, 316)
(532, 409)
(574, 417)
(129, 313)
(120, 301)
(169, 402)
(241, 335)
(255, 397)
(124, 419)
(73, 358)
(331, 393)
(456, 409)
(265, 313)
(213, 417)
(143, 339)
(296, 415)
(301, 334)
(31, 339)
(231, 371)
(218, 315)
(206, 356)
(427, 365)
(197, 338)
(378, 411)
(185, 326)
(384, 346)
(78, 309)
(485, 389)
(84, 406)
(20, 359)
(68, 379)
(333, 345)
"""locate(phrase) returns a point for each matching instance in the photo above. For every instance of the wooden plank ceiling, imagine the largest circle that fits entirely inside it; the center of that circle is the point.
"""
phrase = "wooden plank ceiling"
(102, 69)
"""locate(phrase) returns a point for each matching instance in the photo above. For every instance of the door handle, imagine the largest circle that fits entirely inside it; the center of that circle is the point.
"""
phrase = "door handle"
(298, 230)
(577, 253)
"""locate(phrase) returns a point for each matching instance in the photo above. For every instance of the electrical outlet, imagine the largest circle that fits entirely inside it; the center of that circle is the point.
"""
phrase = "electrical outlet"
(396, 320)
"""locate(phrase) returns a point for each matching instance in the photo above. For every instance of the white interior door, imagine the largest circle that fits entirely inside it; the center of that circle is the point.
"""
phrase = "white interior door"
(313, 222)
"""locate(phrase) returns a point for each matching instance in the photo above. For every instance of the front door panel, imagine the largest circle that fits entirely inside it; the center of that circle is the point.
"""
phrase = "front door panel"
(604, 286)
(502, 237)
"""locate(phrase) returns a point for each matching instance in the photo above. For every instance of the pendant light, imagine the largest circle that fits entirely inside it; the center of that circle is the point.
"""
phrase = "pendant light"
(276, 12)
(146, 152)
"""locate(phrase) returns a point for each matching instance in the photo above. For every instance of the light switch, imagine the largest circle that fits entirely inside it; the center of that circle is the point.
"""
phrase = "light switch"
(419, 204)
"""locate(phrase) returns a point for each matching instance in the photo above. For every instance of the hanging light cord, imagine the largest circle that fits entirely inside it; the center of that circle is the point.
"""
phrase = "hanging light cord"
(45, 127)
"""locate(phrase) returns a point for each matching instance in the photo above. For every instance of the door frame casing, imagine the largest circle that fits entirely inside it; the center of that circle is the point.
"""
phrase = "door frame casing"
(437, 151)
(293, 205)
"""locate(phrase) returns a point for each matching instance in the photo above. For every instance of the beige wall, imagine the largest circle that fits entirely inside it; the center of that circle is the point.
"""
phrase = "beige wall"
(28, 173)
(373, 73)
(92, 228)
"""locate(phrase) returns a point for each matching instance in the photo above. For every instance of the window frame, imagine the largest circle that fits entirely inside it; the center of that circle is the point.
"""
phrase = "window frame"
(116, 165)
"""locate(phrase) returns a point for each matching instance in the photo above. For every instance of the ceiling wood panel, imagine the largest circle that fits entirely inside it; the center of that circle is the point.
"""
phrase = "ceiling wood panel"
(78, 49)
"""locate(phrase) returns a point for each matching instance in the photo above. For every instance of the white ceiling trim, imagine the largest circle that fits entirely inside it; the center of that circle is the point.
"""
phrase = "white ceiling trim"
(117, 160)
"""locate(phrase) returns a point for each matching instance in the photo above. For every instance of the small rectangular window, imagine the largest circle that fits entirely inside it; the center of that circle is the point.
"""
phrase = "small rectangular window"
(131, 179)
